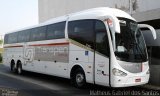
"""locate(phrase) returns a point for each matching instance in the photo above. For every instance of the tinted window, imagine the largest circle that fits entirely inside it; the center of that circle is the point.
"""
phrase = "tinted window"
(82, 31)
(102, 44)
(56, 31)
(12, 38)
(130, 44)
(6, 39)
(24, 36)
(38, 34)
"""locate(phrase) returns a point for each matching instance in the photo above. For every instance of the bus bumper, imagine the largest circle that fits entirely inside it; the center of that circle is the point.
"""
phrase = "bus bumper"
(130, 81)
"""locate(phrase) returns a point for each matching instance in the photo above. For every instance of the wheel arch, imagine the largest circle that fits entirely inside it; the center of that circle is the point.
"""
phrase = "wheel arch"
(74, 68)
(12, 62)
(18, 62)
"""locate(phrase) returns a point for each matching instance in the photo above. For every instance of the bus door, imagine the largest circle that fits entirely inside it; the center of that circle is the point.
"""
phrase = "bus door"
(101, 54)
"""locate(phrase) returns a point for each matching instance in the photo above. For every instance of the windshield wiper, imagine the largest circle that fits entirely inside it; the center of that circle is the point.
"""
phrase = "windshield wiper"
(143, 56)
(138, 45)
(141, 52)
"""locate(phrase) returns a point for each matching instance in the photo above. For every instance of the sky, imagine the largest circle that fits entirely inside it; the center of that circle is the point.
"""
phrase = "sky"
(17, 14)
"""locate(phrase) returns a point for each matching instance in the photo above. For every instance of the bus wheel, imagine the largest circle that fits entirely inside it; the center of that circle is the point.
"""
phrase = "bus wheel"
(19, 68)
(13, 67)
(79, 79)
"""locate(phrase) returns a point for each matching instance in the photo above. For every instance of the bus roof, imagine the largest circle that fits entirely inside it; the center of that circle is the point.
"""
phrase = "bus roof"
(96, 13)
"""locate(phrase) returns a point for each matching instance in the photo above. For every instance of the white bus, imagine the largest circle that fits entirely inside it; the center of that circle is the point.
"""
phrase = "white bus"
(101, 46)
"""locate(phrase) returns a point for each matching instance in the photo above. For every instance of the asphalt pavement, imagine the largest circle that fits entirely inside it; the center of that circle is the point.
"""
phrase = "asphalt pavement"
(34, 84)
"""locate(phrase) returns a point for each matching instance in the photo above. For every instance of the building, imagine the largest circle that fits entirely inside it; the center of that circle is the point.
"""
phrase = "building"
(144, 11)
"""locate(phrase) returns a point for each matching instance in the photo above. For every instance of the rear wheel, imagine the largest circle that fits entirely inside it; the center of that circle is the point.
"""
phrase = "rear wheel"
(13, 67)
(19, 68)
(79, 79)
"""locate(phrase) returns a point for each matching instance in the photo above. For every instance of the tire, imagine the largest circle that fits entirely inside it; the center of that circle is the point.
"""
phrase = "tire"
(19, 68)
(13, 67)
(78, 79)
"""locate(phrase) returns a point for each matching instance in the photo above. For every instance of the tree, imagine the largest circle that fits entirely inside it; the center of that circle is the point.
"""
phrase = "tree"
(1, 42)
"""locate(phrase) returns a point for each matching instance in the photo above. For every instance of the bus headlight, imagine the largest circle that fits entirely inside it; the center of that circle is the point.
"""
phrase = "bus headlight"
(118, 72)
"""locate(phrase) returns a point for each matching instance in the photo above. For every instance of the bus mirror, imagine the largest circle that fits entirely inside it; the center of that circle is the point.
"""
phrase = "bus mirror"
(113, 23)
(117, 25)
(149, 27)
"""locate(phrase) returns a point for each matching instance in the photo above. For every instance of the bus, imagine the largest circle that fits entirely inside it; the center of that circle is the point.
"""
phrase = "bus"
(102, 46)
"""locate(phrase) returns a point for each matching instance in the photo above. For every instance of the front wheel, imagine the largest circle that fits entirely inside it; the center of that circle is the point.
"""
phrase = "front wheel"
(79, 79)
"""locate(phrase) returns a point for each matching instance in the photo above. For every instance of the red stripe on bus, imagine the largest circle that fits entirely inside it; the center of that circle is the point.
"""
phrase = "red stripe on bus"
(13, 46)
(51, 44)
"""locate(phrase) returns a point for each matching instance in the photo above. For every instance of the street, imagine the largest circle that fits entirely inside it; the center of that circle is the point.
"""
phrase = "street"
(34, 84)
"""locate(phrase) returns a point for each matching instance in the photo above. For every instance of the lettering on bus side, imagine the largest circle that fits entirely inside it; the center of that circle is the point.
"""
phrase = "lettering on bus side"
(52, 53)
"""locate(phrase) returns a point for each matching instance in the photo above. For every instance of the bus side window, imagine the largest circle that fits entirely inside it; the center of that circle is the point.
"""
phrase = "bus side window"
(102, 43)
(38, 34)
(12, 38)
(6, 39)
(56, 31)
(24, 36)
(82, 31)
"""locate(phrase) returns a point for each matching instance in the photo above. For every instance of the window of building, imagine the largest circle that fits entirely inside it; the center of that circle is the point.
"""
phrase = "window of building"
(155, 56)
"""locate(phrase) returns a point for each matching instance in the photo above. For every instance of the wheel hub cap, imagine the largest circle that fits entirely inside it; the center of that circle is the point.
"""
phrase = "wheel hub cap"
(79, 78)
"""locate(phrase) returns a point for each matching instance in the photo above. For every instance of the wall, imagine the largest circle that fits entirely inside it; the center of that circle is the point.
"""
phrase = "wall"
(142, 10)
(54, 8)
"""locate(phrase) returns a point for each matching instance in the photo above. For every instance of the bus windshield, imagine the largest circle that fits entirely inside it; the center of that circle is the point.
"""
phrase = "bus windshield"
(130, 44)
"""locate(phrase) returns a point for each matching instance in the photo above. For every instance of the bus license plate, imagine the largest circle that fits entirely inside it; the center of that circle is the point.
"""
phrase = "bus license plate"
(138, 80)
